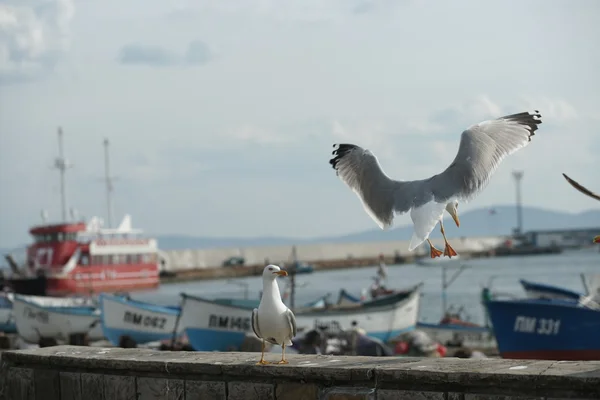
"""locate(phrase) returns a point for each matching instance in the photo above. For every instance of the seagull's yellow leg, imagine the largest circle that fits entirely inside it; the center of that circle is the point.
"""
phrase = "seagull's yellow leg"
(448, 250)
(433, 251)
(283, 360)
(262, 356)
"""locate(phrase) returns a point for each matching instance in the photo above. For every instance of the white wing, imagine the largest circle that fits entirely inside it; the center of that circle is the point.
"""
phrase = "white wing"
(255, 327)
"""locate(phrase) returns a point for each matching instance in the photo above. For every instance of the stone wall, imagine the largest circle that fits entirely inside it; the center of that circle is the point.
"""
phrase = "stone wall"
(91, 373)
(205, 258)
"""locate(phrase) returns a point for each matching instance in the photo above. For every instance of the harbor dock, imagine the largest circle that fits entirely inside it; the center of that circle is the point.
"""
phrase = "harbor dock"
(201, 264)
(73, 372)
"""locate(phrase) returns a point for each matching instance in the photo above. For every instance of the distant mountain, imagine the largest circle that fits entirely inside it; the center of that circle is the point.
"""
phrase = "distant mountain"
(478, 222)
(498, 220)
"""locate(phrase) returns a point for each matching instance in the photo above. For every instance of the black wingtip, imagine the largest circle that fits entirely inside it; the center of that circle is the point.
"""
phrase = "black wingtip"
(340, 152)
(529, 119)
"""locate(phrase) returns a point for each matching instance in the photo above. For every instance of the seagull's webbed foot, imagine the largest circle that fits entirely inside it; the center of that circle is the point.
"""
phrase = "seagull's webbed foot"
(283, 362)
(433, 251)
(449, 251)
(263, 362)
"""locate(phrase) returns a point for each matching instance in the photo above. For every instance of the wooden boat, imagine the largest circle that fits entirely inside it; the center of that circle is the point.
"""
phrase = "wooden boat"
(39, 317)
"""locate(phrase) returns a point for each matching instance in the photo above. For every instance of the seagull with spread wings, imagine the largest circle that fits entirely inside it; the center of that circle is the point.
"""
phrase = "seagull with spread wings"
(587, 192)
(482, 147)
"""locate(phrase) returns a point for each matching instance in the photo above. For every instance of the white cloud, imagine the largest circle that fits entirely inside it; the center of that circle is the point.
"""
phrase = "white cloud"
(34, 34)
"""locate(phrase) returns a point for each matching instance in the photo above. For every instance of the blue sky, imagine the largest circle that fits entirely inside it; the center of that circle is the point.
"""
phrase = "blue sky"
(222, 114)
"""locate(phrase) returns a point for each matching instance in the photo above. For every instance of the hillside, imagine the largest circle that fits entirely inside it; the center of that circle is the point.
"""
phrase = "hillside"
(479, 222)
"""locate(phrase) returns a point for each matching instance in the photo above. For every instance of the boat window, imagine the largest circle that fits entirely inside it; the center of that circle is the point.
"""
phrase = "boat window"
(84, 259)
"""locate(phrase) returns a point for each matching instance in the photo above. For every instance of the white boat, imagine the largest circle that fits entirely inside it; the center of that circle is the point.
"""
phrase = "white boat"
(142, 322)
(211, 326)
(55, 317)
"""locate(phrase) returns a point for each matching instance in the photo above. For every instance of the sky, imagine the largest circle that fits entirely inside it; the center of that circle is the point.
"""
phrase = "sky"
(221, 115)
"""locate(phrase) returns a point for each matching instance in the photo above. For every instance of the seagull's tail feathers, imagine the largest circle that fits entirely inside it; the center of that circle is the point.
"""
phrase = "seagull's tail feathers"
(415, 242)
(288, 342)
(381, 196)
(425, 218)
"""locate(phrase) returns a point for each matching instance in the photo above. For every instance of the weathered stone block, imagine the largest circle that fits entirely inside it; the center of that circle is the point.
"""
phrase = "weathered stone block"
(47, 384)
(205, 390)
(250, 391)
(118, 387)
(159, 389)
(18, 384)
(348, 393)
(70, 386)
(93, 386)
(385, 394)
(296, 391)
(456, 396)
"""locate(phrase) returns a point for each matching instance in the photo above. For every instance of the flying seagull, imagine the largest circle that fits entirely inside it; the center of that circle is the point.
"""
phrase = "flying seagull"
(272, 320)
(482, 147)
(585, 191)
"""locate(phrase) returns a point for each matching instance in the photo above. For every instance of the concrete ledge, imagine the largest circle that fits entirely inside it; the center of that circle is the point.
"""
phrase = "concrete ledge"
(71, 372)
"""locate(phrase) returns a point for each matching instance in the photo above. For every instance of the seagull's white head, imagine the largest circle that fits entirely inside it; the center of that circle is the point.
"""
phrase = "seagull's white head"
(452, 209)
(273, 271)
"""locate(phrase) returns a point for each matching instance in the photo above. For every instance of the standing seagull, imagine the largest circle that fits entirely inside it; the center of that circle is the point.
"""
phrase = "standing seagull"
(272, 320)
(482, 147)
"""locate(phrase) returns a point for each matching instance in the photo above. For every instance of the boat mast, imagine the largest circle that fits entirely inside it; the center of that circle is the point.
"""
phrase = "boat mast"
(108, 180)
(62, 164)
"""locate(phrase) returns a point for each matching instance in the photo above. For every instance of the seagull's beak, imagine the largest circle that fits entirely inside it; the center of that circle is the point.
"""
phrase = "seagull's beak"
(281, 273)
(455, 218)
(597, 239)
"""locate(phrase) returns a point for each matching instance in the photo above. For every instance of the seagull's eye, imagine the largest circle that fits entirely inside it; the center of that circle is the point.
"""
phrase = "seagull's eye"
(270, 269)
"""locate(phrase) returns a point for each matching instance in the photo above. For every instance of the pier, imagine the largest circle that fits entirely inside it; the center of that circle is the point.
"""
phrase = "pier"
(200, 264)
(73, 372)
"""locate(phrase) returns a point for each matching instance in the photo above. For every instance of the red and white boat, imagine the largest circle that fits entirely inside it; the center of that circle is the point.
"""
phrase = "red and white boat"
(75, 258)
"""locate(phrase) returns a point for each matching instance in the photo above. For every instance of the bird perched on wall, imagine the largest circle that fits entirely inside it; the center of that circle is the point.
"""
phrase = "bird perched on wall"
(482, 147)
(273, 321)
(587, 192)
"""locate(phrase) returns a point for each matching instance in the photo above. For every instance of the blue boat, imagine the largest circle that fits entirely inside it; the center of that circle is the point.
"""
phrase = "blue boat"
(7, 320)
(143, 322)
(536, 290)
(545, 329)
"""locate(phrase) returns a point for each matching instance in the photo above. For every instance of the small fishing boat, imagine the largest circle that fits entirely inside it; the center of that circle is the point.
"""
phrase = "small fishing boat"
(7, 320)
(546, 329)
(211, 326)
(39, 317)
(535, 290)
(143, 322)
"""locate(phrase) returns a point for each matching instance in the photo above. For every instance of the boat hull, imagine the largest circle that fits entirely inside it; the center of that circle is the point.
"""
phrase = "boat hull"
(140, 321)
(210, 326)
(545, 329)
(45, 317)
